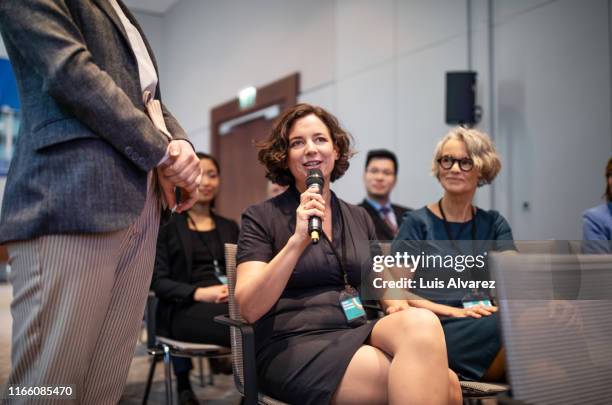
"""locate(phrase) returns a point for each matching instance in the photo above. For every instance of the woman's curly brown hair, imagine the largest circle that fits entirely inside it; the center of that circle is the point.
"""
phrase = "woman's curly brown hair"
(273, 151)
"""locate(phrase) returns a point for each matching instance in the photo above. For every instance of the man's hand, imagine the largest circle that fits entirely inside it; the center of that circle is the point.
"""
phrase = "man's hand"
(181, 169)
(188, 198)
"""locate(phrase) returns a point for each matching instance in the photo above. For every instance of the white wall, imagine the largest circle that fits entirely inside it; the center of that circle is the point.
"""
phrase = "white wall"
(152, 25)
(212, 49)
(544, 85)
(552, 89)
(544, 82)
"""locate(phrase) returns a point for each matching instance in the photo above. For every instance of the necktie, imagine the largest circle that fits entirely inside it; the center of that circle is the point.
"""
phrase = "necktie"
(386, 213)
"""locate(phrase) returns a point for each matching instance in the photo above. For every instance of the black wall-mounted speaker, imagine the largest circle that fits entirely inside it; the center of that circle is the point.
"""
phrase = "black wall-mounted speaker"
(461, 98)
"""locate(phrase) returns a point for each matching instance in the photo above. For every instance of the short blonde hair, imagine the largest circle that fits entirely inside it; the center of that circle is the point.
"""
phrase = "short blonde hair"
(480, 149)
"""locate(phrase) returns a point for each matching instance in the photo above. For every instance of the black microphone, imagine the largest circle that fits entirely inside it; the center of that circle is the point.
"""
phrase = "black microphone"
(315, 224)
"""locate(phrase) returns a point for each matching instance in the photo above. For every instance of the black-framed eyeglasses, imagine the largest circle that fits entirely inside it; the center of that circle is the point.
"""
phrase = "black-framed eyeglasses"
(447, 162)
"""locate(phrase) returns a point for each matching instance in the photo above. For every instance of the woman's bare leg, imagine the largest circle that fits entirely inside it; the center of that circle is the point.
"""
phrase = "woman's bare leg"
(365, 379)
(455, 397)
(410, 365)
(419, 370)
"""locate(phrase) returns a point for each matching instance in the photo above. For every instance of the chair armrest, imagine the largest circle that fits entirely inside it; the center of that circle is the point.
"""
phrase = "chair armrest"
(373, 308)
(227, 321)
(150, 319)
(373, 311)
(248, 357)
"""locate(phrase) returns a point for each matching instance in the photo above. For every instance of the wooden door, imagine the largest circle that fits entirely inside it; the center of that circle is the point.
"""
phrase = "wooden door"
(234, 133)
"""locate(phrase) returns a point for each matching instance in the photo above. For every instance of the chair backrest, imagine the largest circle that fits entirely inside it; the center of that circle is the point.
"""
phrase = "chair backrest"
(536, 246)
(385, 248)
(556, 321)
(234, 309)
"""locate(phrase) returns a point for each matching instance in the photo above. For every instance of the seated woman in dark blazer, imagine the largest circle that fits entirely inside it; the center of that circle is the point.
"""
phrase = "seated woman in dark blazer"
(189, 274)
(312, 346)
(463, 160)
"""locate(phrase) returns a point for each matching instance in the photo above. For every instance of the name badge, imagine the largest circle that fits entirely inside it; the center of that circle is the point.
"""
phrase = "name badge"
(352, 306)
(475, 298)
(220, 276)
(484, 303)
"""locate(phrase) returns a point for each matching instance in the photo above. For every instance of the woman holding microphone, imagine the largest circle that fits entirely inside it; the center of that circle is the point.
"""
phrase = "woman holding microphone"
(312, 345)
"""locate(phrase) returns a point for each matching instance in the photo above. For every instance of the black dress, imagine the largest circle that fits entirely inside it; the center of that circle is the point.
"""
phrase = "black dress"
(304, 343)
(184, 262)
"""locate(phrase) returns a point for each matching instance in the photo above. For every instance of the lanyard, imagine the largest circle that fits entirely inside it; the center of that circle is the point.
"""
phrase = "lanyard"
(450, 235)
(203, 240)
(341, 259)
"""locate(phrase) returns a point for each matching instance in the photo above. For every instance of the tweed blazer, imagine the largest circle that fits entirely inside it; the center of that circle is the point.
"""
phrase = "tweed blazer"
(85, 144)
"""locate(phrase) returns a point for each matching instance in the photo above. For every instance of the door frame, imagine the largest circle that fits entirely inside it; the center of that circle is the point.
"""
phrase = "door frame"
(283, 92)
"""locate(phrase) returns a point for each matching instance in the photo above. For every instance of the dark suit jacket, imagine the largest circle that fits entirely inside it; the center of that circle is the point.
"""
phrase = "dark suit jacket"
(85, 144)
(174, 262)
(383, 232)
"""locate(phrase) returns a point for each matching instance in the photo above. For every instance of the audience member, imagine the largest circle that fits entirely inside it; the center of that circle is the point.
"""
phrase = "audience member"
(380, 178)
(309, 349)
(597, 221)
(189, 276)
(463, 160)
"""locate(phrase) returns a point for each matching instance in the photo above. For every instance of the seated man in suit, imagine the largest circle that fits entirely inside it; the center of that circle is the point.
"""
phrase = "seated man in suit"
(380, 177)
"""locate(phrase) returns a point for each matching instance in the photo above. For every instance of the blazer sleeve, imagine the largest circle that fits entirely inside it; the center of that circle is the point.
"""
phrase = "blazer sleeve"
(592, 228)
(173, 126)
(46, 37)
(165, 287)
(595, 234)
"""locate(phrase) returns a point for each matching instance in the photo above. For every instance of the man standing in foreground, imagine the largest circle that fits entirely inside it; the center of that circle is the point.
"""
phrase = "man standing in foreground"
(379, 178)
(80, 215)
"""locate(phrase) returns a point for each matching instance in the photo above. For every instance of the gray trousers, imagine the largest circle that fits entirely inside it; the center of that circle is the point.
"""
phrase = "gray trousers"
(77, 308)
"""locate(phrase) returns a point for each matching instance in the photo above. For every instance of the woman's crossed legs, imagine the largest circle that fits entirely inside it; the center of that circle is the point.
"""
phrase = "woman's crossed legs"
(404, 363)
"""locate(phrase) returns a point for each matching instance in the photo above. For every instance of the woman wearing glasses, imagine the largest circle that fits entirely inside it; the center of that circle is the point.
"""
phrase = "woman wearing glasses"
(464, 160)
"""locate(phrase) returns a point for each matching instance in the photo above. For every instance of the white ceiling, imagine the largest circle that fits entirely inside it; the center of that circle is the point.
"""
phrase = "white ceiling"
(150, 6)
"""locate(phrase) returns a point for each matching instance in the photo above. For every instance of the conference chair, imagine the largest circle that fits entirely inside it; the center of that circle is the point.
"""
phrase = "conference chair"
(160, 347)
(243, 341)
(556, 323)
